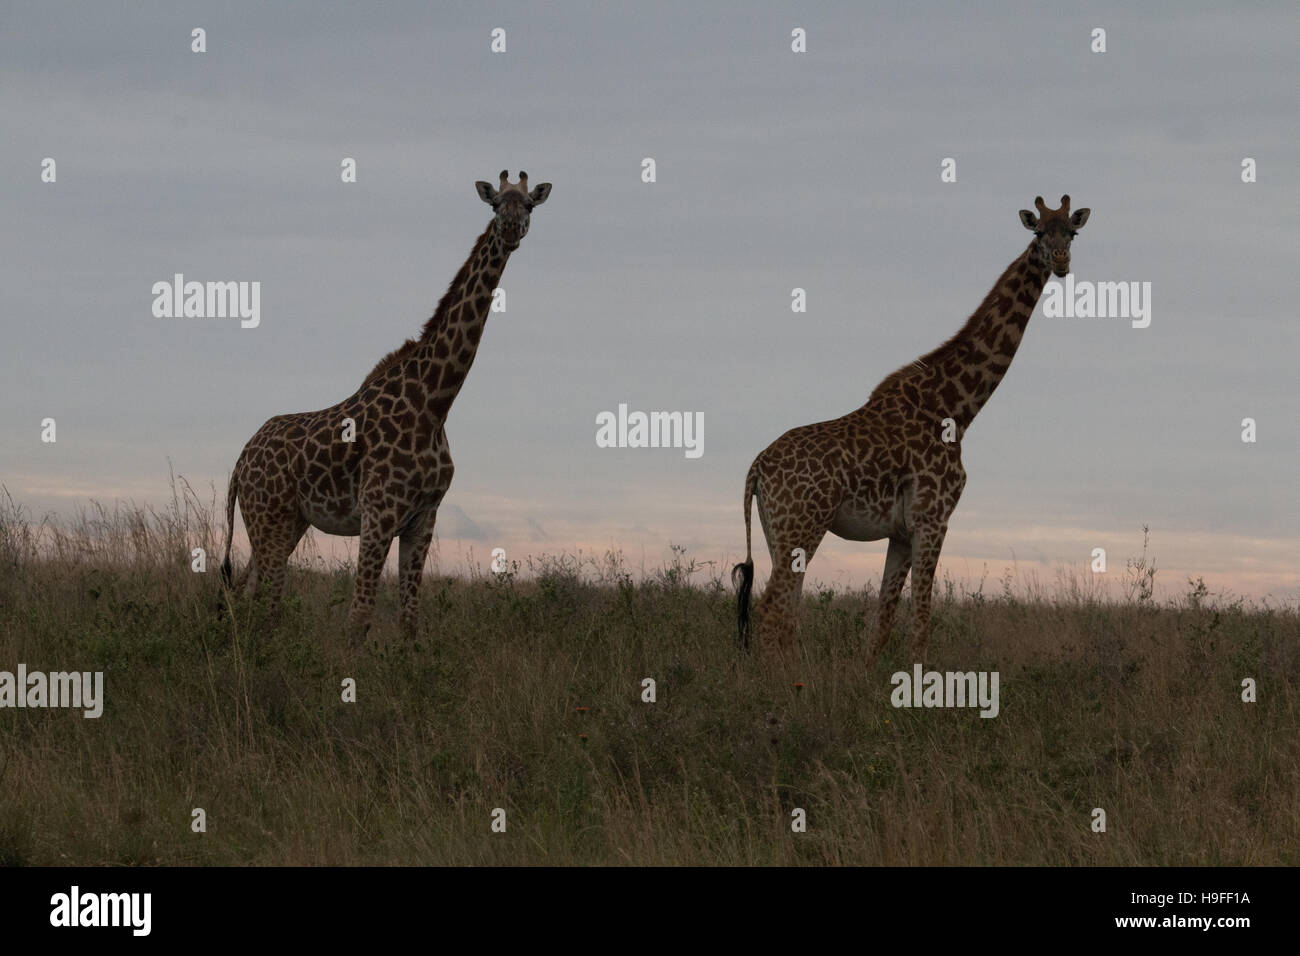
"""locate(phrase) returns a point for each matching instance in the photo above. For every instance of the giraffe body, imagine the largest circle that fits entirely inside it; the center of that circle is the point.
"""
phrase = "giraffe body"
(892, 468)
(377, 464)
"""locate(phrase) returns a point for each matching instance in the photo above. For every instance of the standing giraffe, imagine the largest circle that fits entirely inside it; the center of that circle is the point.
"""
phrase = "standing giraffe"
(377, 463)
(892, 469)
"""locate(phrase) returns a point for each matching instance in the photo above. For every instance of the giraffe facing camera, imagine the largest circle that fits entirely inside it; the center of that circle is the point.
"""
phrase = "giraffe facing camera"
(892, 468)
(377, 464)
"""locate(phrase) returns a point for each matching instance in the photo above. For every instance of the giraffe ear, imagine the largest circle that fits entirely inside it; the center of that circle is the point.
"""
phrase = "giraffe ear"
(1030, 220)
(1079, 217)
(486, 192)
(538, 195)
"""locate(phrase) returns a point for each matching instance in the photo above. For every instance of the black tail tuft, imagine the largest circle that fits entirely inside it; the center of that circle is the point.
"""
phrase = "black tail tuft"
(744, 586)
(226, 571)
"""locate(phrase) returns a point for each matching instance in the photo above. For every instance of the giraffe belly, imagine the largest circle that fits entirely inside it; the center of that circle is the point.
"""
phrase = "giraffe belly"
(333, 520)
(339, 526)
(864, 521)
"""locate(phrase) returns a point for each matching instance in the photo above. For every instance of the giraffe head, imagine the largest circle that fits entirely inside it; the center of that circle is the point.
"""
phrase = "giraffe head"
(513, 204)
(1055, 229)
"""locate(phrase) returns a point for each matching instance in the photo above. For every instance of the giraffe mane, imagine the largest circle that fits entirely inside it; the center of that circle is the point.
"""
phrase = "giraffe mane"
(932, 357)
(955, 342)
(431, 327)
(395, 357)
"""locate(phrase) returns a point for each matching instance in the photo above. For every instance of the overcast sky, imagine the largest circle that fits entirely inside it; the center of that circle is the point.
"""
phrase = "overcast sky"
(775, 170)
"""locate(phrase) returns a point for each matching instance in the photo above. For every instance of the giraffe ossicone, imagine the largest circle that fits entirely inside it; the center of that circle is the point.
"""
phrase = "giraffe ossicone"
(387, 478)
(892, 468)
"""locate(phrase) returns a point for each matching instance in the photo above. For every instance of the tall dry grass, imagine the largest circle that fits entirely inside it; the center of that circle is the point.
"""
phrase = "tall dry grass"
(1133, 706)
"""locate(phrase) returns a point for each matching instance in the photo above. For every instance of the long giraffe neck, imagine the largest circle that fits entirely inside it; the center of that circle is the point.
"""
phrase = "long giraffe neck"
(957, 378)
(450, 339)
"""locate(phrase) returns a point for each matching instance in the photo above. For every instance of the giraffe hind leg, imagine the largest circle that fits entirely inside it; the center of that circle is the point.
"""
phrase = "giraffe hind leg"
(778, 609)
(794, 527)
(273, 541)
(230, 587)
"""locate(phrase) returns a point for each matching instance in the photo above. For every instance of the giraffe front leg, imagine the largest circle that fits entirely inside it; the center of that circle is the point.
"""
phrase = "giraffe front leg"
(898, 561)
(412, 551)
(376, 539)
(927, 541)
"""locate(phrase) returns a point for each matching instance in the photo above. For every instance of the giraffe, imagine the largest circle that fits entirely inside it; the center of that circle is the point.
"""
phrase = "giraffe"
(301, 470)
(892, 468)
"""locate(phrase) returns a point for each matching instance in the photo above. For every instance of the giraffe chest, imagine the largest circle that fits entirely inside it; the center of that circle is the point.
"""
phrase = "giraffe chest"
(395, 481)
(337, 508)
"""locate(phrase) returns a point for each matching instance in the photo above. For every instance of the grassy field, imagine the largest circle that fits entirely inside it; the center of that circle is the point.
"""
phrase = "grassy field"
(1132, 706)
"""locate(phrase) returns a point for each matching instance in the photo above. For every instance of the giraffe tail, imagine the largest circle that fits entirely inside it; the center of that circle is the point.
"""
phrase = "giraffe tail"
(231, 496)
(742, 575)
